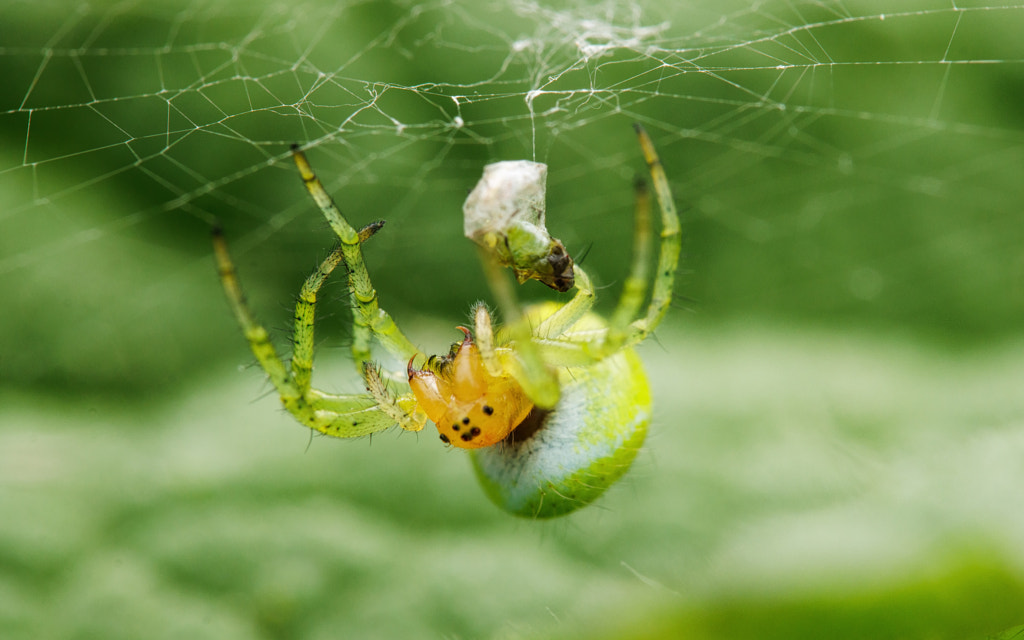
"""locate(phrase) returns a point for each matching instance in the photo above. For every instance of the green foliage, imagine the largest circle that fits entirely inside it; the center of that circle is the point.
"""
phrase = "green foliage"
(792, 486)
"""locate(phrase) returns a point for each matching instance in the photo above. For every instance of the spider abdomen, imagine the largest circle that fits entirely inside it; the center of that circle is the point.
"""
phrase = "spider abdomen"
(579, 449)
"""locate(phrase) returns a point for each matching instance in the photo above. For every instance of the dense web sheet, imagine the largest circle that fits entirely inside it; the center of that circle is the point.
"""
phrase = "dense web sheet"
(835, 159)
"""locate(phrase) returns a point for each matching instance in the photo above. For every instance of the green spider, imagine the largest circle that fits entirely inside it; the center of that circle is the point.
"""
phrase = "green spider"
(554, 405)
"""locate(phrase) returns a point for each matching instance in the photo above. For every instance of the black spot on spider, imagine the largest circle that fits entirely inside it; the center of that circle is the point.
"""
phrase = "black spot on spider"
(465, 421)
(466, 437)
(475, 431)
(455, 427)
(489, 410)
(445, 439)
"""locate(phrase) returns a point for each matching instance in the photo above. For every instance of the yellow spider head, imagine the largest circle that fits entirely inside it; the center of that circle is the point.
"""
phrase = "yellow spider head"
(471, 408)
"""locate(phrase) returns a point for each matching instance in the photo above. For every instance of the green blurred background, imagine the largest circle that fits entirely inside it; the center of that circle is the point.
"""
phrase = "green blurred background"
(838, 447)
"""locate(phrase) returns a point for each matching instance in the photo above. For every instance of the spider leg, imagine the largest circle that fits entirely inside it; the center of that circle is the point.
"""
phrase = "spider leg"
(259, 340)
(483, 336)
(622, 329)
(369, 319)
(635, 286)
(569, 313)
(345, 415)
(401, 409)
(305, 312)
(499, 360)
(671, 243)
(334, 415)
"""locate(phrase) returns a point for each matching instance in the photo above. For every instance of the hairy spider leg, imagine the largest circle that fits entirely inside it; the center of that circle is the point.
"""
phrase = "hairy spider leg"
(341, 416)
(255, 334)
(671, 244)
(546, 342)
(635, 287)
(497, 359)
(368, 319)
(305, 312)
(483, 335)
(623, 329)
(569, 313)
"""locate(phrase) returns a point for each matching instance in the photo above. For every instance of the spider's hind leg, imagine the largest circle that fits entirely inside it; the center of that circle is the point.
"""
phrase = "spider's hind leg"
(342, 416)
(368, 320)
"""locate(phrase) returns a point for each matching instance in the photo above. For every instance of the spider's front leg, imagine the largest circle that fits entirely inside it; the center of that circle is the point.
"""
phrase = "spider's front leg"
(342, 416)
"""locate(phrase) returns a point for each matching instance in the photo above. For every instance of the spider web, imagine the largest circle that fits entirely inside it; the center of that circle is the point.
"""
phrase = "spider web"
(836, 160)
(852, 167)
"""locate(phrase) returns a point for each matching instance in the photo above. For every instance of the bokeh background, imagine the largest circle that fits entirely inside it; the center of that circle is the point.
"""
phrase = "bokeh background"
(838, 448)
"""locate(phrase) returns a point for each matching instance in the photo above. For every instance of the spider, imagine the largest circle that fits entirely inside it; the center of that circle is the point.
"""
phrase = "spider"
(553, 405)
